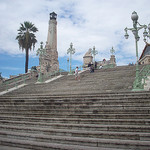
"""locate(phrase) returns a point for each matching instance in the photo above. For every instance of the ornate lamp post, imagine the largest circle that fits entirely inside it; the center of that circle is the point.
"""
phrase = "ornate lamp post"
(136, 27)
(68, 64)
(71, 50)
(40, 52)
(145, 33)
(94, 52)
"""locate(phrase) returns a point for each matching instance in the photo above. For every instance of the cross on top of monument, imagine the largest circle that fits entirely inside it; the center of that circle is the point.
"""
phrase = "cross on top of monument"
(112, 51)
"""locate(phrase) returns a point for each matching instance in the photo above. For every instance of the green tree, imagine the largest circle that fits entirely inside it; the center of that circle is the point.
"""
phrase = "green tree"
(26, 39)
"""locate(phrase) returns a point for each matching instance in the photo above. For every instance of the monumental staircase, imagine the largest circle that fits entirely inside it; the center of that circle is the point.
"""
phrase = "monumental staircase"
(99, 112)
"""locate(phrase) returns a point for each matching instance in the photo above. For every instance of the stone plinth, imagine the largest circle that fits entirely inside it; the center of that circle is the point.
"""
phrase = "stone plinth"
(113, 60)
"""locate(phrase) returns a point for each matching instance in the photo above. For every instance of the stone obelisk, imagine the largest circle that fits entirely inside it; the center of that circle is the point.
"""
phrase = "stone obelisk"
(50, 59)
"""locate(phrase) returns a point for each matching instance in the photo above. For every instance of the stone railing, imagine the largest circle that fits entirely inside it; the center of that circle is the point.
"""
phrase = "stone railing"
(16, 80)
(50, 75)
(109, 66)
(144, 73)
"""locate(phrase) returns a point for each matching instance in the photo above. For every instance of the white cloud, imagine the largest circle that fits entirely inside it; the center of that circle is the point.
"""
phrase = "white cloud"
(86, 23)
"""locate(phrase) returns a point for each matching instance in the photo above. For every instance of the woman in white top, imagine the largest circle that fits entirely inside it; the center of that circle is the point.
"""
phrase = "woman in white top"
(77, 76)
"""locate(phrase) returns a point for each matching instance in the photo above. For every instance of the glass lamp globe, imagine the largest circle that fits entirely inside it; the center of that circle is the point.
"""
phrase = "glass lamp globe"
(134, 16)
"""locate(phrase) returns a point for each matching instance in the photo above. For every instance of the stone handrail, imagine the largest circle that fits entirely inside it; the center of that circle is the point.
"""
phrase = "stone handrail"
(15, 81)
(51, 74)
(109, 66)
(145, 71)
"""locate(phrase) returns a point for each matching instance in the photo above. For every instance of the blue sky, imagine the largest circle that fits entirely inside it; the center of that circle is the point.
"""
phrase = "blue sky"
(85, 23)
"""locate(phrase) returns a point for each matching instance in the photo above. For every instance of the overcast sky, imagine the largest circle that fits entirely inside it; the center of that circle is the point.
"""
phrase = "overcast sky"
(85, 23)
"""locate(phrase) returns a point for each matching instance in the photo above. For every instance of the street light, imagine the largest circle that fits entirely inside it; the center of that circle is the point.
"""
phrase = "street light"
(71, 50)
(94, 52)
(136, 27)
(41, 52)
(68, 64)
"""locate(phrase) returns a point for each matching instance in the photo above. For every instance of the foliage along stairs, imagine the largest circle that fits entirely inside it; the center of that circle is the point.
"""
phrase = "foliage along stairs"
(92, 120)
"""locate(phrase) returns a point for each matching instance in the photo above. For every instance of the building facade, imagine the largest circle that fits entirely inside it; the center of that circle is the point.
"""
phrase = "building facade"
(145, 56)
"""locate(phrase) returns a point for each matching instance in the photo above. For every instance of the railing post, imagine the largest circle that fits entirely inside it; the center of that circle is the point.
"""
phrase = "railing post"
(7, 85)
(16, 82)
(24, 79)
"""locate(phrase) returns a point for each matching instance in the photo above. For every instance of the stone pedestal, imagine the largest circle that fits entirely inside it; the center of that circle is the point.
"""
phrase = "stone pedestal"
(49, 63)
(113, 60)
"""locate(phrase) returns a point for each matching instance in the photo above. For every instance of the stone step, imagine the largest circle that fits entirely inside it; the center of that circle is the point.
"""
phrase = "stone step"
(77, 105)
(108, 95)
(77, 83)
(85, 105)
(145, 122)
(117, 128)
(83, 141)
(12, 148)
(73, 115)
(92, 130)
(75, 90)
(62, 139)
(73, 140)
(76, 100)
(90, 110)
(121, 107)
(37, 145)
(72, 100)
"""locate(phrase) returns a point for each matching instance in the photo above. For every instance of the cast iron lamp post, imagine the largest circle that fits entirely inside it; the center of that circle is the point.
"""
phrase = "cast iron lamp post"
(40, 52)
(71, 50)
(94, 52)
(145, 33)
(68, 64)
(136, 27)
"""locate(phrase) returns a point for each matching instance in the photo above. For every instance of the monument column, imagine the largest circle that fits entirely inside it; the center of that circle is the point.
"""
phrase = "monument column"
(50, 60)
(52, 31)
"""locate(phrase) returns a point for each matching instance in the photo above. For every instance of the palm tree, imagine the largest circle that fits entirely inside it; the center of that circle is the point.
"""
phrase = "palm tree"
(26, 39)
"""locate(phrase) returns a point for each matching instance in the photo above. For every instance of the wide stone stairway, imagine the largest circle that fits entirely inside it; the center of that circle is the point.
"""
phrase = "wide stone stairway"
(104, 80)
(97, 113)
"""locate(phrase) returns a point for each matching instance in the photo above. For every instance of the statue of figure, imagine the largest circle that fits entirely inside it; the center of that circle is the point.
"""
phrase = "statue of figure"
(88, 58)
(88, 53)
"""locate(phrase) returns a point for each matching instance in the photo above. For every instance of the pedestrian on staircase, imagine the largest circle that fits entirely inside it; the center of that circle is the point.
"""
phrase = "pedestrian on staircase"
(77, 76)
